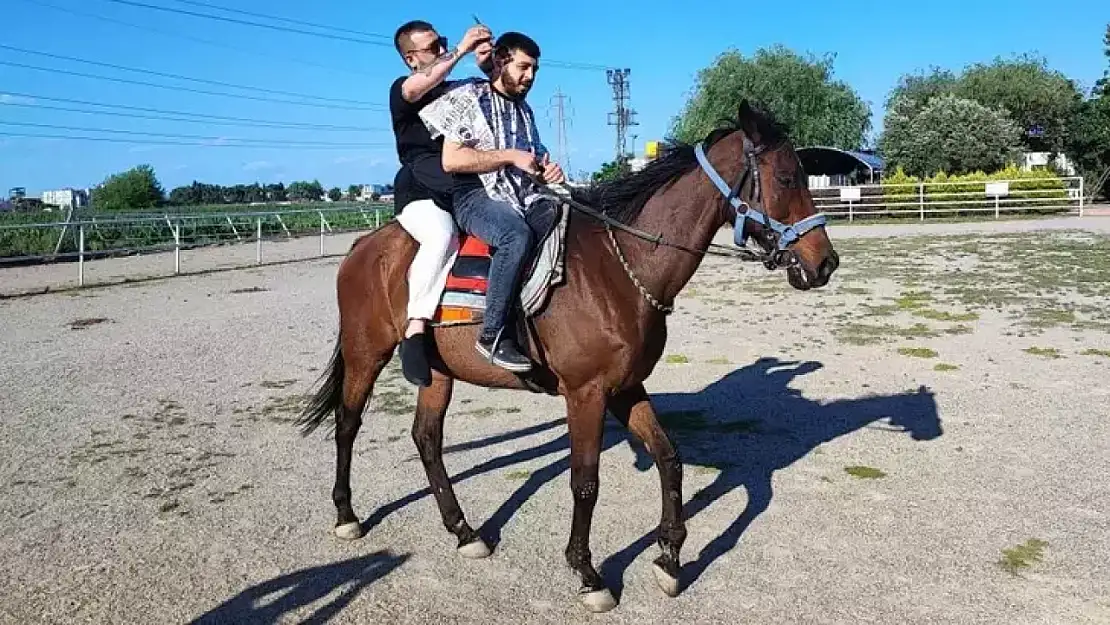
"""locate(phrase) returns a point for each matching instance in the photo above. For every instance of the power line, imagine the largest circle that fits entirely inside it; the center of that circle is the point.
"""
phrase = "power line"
(183, 89)
(186, 78)
(233, 20)
(178, 35)
(160, 142)
(387, 40)
(283, 19)
(245, 123)
(290, 143)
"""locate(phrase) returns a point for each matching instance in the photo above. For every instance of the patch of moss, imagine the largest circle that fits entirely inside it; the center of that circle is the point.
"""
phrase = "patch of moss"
(719, 361)
(677, 359)
(943, 366)
(1023, 555)
(518, 475)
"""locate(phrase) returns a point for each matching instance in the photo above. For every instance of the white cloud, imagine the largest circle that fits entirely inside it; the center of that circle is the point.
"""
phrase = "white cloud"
(7, 98)
(371, 160)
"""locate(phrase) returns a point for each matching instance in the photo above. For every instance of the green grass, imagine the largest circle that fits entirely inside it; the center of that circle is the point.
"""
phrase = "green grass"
(864, 472)
(1095, 352)
(1046, 352)
(518, 475)
(917, 352)
(1022, 556)
(677, 359)
(943, 366)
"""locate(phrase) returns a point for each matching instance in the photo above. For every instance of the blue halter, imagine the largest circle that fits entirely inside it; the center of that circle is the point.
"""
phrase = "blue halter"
(786, 234)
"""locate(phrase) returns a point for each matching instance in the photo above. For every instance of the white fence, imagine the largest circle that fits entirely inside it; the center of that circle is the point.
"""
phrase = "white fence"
(47, 249)
(994, 197)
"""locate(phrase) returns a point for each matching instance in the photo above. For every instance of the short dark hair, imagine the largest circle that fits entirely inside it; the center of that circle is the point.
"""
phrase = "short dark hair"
(414, 26)
(512, 41)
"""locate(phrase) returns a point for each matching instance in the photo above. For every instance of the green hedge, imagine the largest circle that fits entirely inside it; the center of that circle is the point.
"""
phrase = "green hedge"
(1035, 184)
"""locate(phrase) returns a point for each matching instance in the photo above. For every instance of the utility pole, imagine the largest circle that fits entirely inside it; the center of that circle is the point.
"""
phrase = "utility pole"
(623, 116)
(563, 157)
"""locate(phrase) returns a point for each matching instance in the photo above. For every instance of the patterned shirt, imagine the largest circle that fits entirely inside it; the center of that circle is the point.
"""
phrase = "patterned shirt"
(473, 114)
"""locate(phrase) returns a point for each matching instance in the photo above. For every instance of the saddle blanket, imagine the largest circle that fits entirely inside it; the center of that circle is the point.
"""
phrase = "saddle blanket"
(464, 298)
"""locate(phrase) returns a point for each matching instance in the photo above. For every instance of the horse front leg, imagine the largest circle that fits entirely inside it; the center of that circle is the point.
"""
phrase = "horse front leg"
(634, 410)
(427, 433)
(585, 420)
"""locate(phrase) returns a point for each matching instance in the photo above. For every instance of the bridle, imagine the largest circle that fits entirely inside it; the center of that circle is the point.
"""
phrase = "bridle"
(783, 236)
(775, 254)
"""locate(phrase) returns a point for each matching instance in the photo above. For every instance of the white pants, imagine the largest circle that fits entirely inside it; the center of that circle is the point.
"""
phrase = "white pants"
(434, 229)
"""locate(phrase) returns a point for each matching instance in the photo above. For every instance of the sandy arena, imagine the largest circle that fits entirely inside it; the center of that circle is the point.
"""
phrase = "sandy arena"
(924, 441)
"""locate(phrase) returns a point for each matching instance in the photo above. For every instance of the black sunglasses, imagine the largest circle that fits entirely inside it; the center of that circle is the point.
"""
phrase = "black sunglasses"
(439, 45)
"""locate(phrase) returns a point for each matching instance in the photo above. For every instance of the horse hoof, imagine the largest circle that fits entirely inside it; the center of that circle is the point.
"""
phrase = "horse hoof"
(349, 531)
(475, 550)
(667, 583)
(598, 600)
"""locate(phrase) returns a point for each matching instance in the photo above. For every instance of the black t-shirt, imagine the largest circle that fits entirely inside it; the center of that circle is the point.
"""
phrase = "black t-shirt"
(421, 176)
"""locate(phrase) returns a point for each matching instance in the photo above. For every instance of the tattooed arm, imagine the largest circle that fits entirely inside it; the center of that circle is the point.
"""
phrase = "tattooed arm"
(424, 80)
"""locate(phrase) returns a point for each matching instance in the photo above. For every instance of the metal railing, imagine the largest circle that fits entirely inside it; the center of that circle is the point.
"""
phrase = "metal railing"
(91, 238)
(956, 198)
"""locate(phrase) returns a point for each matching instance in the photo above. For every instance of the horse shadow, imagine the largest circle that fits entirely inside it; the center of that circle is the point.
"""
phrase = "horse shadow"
(750, 424)
(301, 588)
(747, 425)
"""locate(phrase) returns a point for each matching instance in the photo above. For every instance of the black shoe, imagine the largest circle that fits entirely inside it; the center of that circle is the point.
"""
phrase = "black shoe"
(414, 361)
(506, 355)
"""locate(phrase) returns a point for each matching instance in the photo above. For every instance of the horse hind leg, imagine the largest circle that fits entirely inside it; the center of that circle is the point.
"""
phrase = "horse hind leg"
(354, 368)
(427, 433)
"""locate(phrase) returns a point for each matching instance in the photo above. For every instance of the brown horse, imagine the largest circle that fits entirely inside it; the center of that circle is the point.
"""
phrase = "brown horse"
(601, 333)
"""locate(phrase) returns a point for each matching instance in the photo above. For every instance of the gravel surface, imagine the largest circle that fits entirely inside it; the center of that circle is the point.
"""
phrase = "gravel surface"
(863, 454)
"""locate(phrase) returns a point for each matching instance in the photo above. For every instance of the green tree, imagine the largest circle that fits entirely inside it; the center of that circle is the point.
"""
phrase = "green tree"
(1102, 85)
(1040, 100)
(798, 91)
(353, 192)
(134, 189)
(953, 135)
(335, 194)
(611, 170)
(914, 91)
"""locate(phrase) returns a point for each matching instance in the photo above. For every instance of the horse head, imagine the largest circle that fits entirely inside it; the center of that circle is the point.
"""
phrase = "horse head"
(770, 200)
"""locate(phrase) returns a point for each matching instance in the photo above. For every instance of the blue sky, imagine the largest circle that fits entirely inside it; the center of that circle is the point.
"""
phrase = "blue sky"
(663, 43)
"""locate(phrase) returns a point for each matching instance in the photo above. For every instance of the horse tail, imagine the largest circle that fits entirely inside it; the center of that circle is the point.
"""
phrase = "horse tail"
(328, 397)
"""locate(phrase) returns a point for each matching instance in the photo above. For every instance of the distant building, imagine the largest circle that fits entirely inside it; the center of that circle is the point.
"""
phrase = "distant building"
(66, 198)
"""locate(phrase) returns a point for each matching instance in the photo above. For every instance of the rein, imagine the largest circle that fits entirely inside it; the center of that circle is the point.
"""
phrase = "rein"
(784, 235)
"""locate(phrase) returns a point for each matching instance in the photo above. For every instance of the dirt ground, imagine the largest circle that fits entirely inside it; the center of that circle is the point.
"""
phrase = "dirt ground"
(924, 441)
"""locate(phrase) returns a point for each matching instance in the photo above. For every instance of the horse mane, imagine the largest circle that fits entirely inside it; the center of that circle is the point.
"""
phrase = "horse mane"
(624, 197)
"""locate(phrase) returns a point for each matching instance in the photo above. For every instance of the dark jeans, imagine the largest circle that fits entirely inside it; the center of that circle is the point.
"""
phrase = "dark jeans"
(502, 228)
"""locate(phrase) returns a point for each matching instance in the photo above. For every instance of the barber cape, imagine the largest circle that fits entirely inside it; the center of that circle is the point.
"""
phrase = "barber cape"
(472, 113)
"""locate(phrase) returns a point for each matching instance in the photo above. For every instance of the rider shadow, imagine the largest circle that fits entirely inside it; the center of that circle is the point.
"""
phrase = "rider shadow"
(271, 601)
(750, 424)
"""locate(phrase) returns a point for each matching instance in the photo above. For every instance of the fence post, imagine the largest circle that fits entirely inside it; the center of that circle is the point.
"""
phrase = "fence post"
(996, 211)
(921, 198)
(321, 213)
(177, 248)
(1081, 196)
(81, 255)
(377, 218)
(258, 240)
(850, 216)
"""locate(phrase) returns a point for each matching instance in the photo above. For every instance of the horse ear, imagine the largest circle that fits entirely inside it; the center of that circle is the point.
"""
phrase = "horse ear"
(747, 118)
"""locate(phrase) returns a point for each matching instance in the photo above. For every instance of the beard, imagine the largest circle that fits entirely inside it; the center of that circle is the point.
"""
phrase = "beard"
(514, 88)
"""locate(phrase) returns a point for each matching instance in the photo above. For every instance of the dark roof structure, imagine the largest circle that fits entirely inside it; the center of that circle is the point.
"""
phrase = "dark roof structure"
(826, 161)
